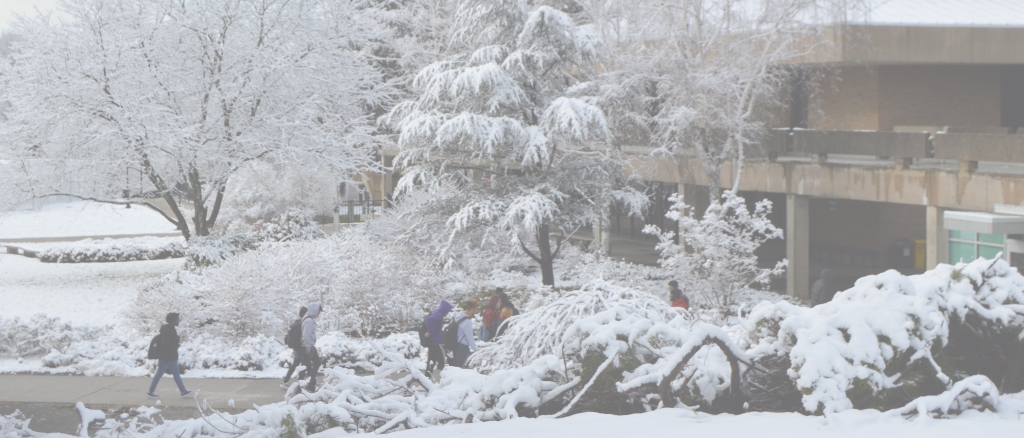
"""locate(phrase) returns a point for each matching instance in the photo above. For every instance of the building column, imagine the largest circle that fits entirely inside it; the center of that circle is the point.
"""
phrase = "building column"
(387, 185)
(937, 248)
(798, 248)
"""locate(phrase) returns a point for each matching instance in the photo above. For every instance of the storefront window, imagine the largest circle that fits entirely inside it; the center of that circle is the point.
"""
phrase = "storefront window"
(965, 246)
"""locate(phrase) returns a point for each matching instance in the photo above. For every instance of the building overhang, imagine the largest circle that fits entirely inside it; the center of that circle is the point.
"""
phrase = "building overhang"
(979, 222)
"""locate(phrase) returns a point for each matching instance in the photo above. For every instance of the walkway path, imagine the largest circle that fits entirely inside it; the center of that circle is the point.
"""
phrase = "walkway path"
(50, 400)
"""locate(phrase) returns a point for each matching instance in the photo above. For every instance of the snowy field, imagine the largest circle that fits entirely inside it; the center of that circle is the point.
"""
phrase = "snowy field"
(81, 293)
(81, 219)
(679, 422)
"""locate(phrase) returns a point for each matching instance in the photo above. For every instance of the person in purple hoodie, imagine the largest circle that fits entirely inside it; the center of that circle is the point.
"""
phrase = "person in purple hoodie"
(435, 348)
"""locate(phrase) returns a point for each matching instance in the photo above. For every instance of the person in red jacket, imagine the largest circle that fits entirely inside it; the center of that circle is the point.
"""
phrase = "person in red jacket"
(491, 317)
(676, 296)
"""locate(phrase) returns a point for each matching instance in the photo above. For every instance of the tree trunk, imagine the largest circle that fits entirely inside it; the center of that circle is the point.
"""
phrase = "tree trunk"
(606, 228)
(546, 259)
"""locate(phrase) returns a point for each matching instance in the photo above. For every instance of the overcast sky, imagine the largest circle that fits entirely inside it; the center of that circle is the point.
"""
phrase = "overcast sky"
(25, 7)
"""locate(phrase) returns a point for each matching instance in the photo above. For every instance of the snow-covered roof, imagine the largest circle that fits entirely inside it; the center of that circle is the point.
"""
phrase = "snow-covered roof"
(953, 13)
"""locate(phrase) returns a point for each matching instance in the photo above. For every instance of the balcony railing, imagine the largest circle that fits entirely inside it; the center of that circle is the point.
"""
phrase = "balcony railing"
(903, 147)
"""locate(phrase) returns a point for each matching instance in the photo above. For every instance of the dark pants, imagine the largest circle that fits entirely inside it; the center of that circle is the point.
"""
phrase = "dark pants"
(435, 356)
(296, 360)
(312, 363)
(164, 366)
(461, 355)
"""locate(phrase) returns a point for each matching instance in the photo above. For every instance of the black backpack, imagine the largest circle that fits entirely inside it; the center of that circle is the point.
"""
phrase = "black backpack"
(450, 336)
(293, 339)
(423, 334)
(154, 348)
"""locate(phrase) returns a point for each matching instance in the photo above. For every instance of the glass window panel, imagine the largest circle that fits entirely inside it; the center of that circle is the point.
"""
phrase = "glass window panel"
(961, 252)
(991, 238)
(962, 235)
(989, 252)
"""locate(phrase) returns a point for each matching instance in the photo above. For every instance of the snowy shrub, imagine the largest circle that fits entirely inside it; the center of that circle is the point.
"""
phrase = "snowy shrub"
(715, 261)
(114, 250)
(367, 286)
(338, 350)
(892, 338)
(628, 349)
(206, 251)
(292, 225)
(41, 334)
(261, 192)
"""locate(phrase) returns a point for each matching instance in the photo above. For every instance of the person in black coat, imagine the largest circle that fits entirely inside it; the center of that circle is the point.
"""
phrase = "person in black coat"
(167, 354)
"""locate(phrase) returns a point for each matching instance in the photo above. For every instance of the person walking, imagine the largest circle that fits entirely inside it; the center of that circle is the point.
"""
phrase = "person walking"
(489, 327)
(311, 358)
(466, 343)
(294, 341)
(677, 297)
(167, 356)
(435, 348)
(507, 311)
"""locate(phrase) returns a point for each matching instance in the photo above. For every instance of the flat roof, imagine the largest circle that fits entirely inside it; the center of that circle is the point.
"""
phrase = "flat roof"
(946, 13)
(980, 222)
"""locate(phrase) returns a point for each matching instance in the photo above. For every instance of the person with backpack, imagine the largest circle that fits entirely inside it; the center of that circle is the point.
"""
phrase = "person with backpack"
(310, 357)
(432, 326)
(676, 296)
(166, 346)
(489, 327)
(461, 330)
(293, 339)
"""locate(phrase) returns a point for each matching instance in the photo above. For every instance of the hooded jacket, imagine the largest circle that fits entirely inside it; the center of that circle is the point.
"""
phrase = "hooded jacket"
(435, 321)
(309, 326)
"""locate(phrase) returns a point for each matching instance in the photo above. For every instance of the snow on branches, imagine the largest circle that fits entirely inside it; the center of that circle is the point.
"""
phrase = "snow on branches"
(496, 122)
(177, 97)
(715, 260)
(892, 334)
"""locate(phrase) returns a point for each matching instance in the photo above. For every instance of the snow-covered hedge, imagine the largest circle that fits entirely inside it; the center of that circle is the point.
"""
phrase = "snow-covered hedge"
(366, 286)
(111, 350)
(893, 336)
(114, 250)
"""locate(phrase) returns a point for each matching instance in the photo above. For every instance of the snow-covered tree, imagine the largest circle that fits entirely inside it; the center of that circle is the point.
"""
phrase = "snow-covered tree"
(714, 260)
(699, 78)
(499, 120)
(187, 92)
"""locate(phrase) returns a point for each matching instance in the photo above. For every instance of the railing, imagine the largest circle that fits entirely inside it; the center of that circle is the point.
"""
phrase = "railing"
(968, 148)
(353, 212)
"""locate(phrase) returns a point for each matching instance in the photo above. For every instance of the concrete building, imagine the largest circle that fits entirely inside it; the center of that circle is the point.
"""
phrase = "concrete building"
(908, 153)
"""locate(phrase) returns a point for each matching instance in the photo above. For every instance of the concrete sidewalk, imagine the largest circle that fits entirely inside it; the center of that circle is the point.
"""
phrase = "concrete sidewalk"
(49, 400)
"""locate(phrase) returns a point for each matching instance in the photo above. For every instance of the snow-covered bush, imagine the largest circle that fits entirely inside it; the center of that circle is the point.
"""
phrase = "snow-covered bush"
(114, 350)
(206, 251)
(714, 260)
(366, 284)
(260, 192)
(893, 338)
(292, 225)
(114, 250)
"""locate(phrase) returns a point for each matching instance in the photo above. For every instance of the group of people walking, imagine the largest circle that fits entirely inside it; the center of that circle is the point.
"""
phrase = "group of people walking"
(301, 338)
(451, 345)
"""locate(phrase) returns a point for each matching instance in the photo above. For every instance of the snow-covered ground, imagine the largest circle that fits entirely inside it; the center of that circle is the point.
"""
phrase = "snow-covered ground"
(81, 293)
(81, 218)
(679, 422)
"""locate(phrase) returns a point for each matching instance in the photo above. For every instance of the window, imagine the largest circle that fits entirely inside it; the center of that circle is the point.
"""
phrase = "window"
(965, 246)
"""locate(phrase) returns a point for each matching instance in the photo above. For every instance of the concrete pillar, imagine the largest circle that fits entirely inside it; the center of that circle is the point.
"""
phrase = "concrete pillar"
(937, 248)
(387, 181)
(798, 245)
